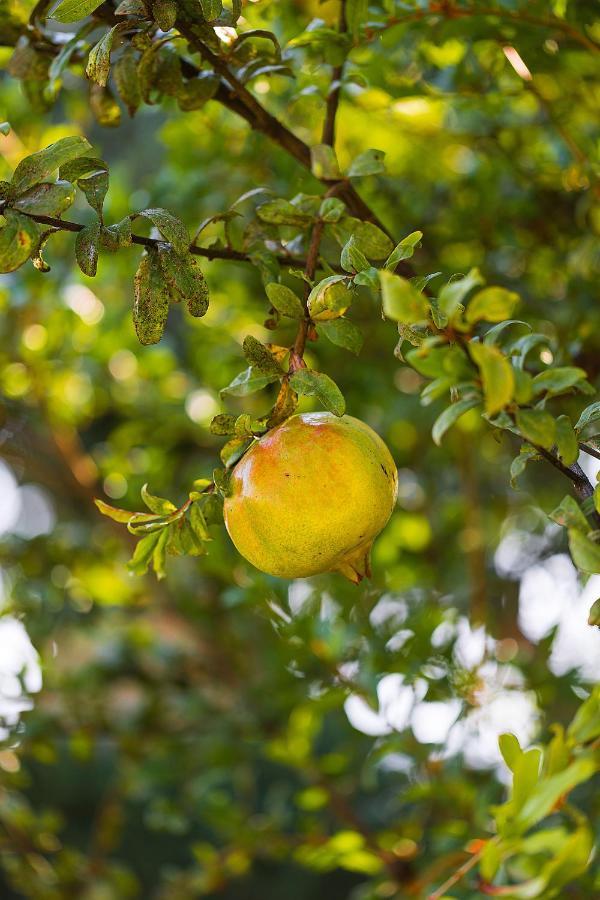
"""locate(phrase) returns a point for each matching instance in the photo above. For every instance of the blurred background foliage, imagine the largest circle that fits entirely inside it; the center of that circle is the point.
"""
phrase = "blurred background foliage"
(224, 733)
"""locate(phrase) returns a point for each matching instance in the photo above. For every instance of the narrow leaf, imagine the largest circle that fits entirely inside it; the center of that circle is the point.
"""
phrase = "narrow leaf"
(151, 300)
(451, 415)
(86, 249)
(496, 375)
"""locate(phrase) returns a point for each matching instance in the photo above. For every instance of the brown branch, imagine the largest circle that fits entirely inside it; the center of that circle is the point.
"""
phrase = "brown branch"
(458, 875)
(591, 451)
(309, 270)
(582, 485)
(236, 97)
(206, 252)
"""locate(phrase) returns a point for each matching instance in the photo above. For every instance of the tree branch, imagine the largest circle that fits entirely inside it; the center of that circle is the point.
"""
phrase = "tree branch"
(206, 252)
(591, 451)
(582, 485)
(466, 867)
(237, 98)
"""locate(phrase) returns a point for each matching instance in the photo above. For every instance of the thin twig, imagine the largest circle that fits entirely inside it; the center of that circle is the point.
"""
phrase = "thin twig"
(310, 270)
(591, 451)
(456, 876)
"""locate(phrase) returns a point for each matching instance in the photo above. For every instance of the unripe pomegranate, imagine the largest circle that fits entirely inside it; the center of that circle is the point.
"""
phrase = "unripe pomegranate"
(310, 496)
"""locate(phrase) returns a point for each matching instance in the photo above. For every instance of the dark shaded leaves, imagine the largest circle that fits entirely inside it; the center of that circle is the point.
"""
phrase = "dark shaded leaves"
(151, 300)
(86, 248)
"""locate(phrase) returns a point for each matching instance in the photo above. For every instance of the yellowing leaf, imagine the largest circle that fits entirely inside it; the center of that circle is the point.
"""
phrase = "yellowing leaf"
(497, 376)
(492, 304)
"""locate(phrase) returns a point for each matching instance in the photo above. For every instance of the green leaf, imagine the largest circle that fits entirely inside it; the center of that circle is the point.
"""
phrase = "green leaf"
(211, 9)
(131, 8)
(165, 13)
(451, 415)
(330, 298)
(114, 237)
(569, 514)
(151, 300)
(185, 280)
(159, 554)
(126, 79)
(87, 243)
(353, 259)
(18, 240)
(196, 92)
(523, 386)
(558, 380)
(368, 163)
(224, 423)
(590, 414)
(585, 553)
(435, 389)
(37, 167)
(309, 383)
(78, 168)
(158, 505)
(542, 800)
(453, 293)
(537, 426)
(343, 333)
(373, 242)
(594, 615)
(248, 382)
(5, 128)
(404, 250)
(527, 453)
(497, 376)
(284, 300)
(98, 64)
(234, 449)
(496, 331)
(331, 209)
(586, 722)
(198, 522)
(172, 229)
(356, 15)
(260, 358)
(566, 441)
(323, 163)
(492, 304)
(401, 301)
(95, 188)
(510, 749)
(46, 199)
(118, 515)
(369, 277)
(139, 562)
(281, 212)
(72, 10)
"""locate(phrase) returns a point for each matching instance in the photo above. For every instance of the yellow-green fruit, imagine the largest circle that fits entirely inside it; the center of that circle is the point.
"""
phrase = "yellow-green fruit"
(310, 496)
